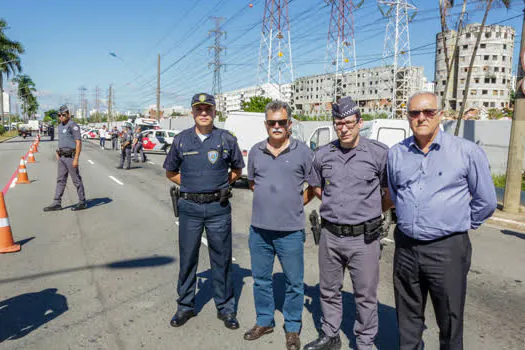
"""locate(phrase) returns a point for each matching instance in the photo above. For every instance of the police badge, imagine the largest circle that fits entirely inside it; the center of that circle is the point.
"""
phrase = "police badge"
(213, 156)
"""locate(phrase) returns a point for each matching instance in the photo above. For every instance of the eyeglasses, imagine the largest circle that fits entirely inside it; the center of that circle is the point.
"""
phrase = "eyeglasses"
(350, 124)
(62, 114)
(281, 122)
(429, 113)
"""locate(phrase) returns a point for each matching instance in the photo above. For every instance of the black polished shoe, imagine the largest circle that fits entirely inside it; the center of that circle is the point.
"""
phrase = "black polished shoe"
(230, 320)
(119, 167)
(53, 207)
(181, 317)
(324, 342)
(80, 206)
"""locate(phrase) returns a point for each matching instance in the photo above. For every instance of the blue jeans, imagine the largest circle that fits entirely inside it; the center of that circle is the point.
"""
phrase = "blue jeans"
(216, 219)
(289, 248)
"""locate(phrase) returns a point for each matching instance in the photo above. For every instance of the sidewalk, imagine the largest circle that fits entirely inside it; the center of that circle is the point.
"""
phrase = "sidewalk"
(508, 220)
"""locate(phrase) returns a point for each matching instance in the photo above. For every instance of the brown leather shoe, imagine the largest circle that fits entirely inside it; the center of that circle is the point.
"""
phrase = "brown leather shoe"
(293, 342)
(256, 332)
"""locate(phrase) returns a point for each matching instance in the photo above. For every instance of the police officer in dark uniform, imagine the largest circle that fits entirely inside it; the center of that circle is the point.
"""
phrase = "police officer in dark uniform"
(51, 132)
(125, 154)
(68, 153)
(137, 146)
(349, 176)
(199, 161)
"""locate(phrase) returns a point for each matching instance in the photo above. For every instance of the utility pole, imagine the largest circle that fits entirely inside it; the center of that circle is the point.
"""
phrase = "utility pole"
(340, 49)
(158, 87)
(511, 200)
(110, 102)
(275, 51)
(97, 100)
(396, 53)
(217, 64)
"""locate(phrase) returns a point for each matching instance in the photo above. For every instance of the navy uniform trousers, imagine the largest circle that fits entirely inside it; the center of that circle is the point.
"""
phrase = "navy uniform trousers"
(65, 167)
(216, 220)
(125, 156)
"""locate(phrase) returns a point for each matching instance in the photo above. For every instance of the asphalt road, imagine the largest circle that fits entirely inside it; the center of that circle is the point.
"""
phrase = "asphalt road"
(105, 278)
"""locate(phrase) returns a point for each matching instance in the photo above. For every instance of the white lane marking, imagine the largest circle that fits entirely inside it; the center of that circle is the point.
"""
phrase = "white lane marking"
(90, 161)
(508, 221)
(116, 180)
(150, 162)
(13, 183)
(388, 240)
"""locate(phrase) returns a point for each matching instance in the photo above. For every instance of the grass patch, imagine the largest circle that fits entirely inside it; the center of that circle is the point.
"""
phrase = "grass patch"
(499, 181)
(8, 134)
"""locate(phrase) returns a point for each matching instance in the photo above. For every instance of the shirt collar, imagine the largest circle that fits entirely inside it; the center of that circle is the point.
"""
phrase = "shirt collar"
(194, 132)
(436, 144)
(361, 146)
(291, 146)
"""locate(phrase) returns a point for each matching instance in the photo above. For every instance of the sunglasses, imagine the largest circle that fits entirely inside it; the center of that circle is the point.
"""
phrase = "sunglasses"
(429, 113)
(280, 122)
(62, 114)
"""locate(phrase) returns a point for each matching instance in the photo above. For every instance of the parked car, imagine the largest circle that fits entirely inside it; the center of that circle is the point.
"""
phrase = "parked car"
(158, 140)
(90, 134)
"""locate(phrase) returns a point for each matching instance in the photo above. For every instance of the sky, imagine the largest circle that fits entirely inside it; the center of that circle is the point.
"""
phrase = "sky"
(98, 43)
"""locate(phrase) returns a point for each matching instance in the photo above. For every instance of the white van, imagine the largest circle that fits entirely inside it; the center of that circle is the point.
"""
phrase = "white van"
(249, 129)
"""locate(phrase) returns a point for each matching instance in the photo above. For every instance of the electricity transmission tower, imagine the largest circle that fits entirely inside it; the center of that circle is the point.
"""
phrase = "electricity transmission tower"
(217, 64)
(340, 48)
(396, 53)
(275, 51)
(82, 101)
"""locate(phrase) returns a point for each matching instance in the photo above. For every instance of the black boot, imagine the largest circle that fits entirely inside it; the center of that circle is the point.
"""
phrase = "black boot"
(53, 207)
(324, 342)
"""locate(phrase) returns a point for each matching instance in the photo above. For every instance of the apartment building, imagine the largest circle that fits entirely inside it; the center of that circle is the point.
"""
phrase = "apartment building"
(491, 76)
(231, 101)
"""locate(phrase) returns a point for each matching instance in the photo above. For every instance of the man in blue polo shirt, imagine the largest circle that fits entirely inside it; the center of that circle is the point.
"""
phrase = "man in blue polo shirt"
(277, 170)
(442, 187)
(199, 162)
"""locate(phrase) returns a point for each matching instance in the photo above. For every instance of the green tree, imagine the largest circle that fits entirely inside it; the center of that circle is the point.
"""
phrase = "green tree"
(9, 61)
(26, 90)
(51, 116)
(255, 104)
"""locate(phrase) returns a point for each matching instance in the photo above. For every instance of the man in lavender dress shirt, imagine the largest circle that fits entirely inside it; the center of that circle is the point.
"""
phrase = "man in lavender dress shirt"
(442, 187)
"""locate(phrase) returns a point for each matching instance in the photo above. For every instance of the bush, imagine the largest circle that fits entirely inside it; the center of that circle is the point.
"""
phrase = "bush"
(500, 181)
(2, 130)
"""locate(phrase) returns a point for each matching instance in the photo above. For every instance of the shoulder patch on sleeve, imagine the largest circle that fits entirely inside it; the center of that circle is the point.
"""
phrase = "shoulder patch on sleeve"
(75, 128)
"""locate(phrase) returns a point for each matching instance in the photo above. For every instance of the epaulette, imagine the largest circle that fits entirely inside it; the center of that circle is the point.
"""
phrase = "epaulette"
(379, 144)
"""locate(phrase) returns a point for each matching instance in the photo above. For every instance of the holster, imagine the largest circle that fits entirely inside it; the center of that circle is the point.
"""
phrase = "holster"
(175, 195)
(225, 194)
(372, 230)
(316, 226)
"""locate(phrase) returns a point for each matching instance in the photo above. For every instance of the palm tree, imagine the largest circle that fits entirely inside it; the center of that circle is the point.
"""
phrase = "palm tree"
(26, 90)
(489, 4)
(9, 61)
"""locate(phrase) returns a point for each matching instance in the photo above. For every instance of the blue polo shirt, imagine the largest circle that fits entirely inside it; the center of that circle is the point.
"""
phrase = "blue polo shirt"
(279, 181)
(351, 180)
(204, 165)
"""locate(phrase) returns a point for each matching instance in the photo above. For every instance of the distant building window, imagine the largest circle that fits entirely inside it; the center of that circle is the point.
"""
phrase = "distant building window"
(462, 81)
(493, 80)
(502, 92)
(465, 47)
(487, 35)
(484, 92)
(485, 104)
(504, 81)
(496, 69)
(468, 35)
(462, 59)
(482, 46)
(505, 36)
(476, 80)
(503, 58)
(473, 92)
(441, 93)
(493, 104)
(503, 69)
(498, 35)
(486, 57)
(444, 82)
(439, 51)
(487, 80)
(494, 92)
(494, 57)
(504, 46)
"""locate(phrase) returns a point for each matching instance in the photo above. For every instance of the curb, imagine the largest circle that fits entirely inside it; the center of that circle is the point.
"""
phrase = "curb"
(507, 223)
(2, 141)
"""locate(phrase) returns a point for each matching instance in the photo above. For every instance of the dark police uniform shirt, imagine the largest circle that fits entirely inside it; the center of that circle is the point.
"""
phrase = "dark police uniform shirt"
(67, 134)
(127, 137)
(138, 136)
(204, 165)
(351, 180)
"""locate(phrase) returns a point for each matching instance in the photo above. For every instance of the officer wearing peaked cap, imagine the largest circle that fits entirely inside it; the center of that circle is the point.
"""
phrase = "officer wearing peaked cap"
(349, 176)
(204, 161)
(67, 154)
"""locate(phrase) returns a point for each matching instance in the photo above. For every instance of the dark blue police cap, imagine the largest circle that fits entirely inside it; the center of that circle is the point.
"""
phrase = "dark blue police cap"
(63, 109)
(345, 107)
(203, 98)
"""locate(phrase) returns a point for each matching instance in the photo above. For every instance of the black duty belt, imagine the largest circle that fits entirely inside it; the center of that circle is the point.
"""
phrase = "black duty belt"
(66, 152)
(201, 197)
(351, 230)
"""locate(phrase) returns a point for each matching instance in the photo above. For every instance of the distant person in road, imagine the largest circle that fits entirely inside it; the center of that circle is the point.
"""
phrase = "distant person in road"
(199, 161)
(51, 132)
(137, 146)
(68, 154)
(114, 138)
(102, 134)
(349, 175)
(125, 154)
(277, 170)
(442, 187)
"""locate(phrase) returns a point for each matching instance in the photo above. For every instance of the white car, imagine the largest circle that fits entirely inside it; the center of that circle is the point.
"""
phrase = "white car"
(158, 140)
(89, 134)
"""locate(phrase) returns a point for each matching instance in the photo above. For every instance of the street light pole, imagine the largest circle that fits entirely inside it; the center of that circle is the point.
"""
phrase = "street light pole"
(158, 88)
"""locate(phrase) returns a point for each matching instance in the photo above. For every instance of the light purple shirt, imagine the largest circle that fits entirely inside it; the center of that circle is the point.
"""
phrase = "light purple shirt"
(447, 190)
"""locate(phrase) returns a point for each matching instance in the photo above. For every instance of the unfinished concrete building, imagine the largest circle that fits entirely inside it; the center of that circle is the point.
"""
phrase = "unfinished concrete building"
(491, 78)
(372, 88)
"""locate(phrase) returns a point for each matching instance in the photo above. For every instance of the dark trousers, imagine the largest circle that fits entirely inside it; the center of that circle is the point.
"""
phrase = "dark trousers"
(114, 143)
(216, 220)
(65, 167)
(102, 142)
(438, 268)
(125, 157)
(138, 149)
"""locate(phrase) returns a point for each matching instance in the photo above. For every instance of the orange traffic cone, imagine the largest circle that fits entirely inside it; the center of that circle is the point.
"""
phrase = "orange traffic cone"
(35, 147)
(22, 173)
(7, 245)
(31, 158)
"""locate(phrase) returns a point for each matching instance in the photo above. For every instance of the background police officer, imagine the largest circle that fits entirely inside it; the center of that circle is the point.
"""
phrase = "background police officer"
(137, 146)
(68, 153)
(349, 175)
(125, 154)
(199, 161)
